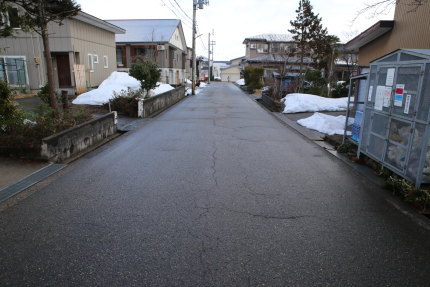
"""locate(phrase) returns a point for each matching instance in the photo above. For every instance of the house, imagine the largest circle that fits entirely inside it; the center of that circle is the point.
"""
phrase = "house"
(161, 41)
(216, 68)
(233, 71)
(408, 30)
(273, 53)
(82, 53)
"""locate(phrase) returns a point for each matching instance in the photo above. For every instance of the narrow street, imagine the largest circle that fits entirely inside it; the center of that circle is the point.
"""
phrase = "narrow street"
(213, 192)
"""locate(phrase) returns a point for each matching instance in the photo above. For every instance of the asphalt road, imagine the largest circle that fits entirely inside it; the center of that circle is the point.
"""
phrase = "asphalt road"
(213, 192)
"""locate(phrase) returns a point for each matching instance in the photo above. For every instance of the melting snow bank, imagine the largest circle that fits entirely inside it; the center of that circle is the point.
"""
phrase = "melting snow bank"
(297, 103)
(326, 124)
(241, 82)
(116, 82)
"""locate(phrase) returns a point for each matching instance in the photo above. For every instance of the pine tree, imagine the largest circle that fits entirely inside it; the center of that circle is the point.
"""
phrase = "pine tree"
(306, 30)
(37, 14)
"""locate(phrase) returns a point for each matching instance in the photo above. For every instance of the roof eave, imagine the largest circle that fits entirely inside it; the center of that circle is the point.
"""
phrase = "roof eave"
(94, 21)
(369, 35)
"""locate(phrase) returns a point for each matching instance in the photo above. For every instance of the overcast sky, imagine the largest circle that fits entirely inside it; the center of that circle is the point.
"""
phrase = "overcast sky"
(234, 20)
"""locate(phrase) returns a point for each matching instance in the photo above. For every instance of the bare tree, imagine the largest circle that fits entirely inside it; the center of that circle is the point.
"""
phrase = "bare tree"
(378, 7)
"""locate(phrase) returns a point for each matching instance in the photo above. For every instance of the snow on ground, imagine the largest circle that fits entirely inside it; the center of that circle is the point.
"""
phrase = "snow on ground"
(188, 82)
(202, 85)
(297, 103)
(115, 83)
(241, 82)
(326, 124)
(161, 88)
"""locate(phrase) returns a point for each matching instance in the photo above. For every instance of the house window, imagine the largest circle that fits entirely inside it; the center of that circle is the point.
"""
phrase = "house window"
(95, 59)
(13, 70)
(13, 18)
(145, 52)
(90, 63)
(119, 57)
(262, 48)
(253, 46)
(105, 62)
(276, 47)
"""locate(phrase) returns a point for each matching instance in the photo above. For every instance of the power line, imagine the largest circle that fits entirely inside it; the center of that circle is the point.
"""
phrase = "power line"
(185, 13)
(172, 9)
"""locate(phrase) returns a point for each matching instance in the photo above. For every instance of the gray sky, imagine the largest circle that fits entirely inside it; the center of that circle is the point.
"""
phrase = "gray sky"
(234, 20)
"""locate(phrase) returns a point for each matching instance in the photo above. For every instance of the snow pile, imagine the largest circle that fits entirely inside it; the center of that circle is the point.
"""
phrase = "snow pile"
(161, 88)
(297, 103)
(326, 124)
(241, 82)
(116, 82)
(188, 82)
(202, 85)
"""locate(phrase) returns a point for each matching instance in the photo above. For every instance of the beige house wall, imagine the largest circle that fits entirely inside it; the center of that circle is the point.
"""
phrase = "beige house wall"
(74, 38)
(410, 31)
(232, 74)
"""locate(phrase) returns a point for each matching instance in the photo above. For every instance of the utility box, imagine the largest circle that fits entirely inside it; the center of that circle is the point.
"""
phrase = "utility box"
(395, 129)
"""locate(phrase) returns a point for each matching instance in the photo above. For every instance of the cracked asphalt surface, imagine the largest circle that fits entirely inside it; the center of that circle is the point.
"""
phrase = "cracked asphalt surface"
(213, 192)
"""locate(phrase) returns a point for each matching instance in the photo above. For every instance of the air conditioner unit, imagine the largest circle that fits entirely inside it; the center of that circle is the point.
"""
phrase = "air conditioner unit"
(161, 48)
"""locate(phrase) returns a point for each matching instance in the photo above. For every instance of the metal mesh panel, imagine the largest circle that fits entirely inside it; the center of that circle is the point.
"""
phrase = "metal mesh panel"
(409, 77)
(396, 156)
(379, 124)
(392, 58)
(409, 57)
(376, 146)
(415, 153)
(400, 132)
(365, 129)
(372, 86)
(424, 105)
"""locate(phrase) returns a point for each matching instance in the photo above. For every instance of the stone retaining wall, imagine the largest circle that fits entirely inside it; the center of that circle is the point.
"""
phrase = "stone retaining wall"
(157, 104)
(68, 143)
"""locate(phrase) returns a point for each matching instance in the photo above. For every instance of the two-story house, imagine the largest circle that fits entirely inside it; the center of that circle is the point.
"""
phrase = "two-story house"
(82, 53)
(273, 52)
(161, 41)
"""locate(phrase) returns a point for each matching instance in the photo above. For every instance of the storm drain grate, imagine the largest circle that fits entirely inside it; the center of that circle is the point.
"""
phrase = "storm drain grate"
(31, 179)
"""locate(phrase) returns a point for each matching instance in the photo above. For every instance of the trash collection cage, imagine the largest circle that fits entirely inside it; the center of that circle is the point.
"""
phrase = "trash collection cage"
(396, 120)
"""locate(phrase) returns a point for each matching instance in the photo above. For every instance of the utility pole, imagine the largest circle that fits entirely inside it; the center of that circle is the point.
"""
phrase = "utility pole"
(212, 43)
(197, 4)
(209, 58)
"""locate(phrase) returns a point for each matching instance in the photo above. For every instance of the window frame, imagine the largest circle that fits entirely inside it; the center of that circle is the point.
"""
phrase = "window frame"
(24, 58)
(105, 62)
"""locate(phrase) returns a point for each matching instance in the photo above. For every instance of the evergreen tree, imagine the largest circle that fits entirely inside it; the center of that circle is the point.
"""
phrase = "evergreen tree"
(36, 15)
(306, 30)
(148, 74)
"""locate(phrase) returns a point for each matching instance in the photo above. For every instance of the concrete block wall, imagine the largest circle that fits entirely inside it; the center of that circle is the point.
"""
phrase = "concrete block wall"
(66, 144)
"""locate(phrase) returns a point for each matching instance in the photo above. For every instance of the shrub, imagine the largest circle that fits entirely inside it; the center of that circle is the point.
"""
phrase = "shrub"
(253, 77)
(339, 91)
(147, 73)
(43, 94)
(126, 102)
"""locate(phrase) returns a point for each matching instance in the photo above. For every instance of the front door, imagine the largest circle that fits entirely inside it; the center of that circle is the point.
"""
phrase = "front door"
(63, 69)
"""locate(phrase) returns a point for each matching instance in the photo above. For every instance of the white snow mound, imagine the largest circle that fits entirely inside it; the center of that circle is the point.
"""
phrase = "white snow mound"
(326, 124)
(298, 103)
(202, 85)
(241, 82)
(116, 82)
(161, 88)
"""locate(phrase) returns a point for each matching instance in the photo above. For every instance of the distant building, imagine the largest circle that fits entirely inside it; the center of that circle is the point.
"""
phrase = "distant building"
(161, 41)
(233, 71)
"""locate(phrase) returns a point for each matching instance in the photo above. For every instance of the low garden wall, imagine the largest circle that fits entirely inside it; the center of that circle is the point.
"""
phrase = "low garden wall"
(154, 105)
(68, 143)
